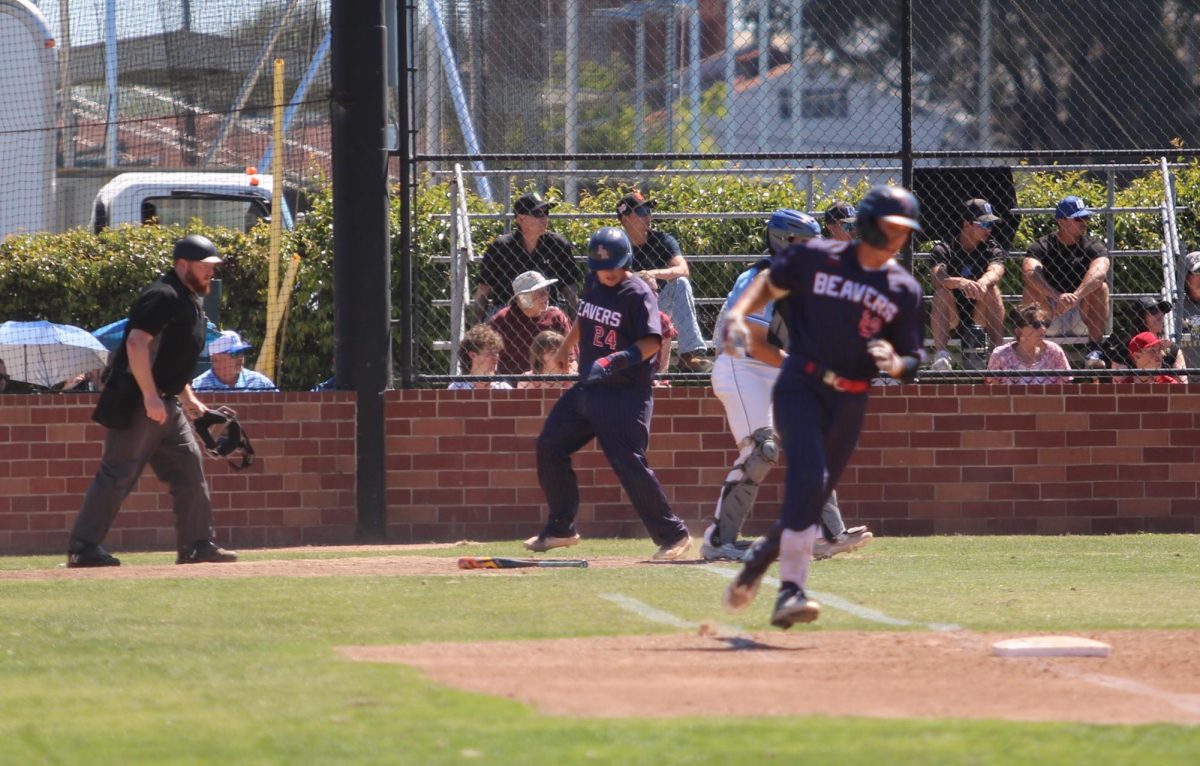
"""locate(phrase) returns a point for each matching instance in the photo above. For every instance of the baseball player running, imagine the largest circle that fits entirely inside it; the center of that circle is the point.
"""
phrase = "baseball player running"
(852, 310)
(743, 384)
(619, 336)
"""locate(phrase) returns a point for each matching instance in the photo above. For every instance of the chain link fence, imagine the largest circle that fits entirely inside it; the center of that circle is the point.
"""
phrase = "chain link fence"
(723, 111)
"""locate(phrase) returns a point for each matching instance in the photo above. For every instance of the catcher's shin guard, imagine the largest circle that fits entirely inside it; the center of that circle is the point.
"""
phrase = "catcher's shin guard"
(741, 485)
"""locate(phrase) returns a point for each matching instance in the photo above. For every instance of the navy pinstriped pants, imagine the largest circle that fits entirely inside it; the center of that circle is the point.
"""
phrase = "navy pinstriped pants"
(619, 418)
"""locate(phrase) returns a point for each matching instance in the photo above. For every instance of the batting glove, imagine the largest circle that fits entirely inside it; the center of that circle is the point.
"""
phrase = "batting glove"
(737, 336)
(885, 357)
(604, 367)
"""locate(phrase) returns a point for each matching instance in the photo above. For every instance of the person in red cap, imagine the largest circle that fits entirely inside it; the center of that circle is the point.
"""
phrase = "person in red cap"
(1146, 349)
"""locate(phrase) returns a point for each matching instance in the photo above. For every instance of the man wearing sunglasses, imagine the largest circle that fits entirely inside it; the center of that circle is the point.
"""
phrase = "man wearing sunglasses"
(657, 259)
(839, 221)
(228, 355)
(966, 281)
(530, 247)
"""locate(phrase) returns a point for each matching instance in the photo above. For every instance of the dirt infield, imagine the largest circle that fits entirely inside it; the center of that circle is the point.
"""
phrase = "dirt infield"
(1150, 676)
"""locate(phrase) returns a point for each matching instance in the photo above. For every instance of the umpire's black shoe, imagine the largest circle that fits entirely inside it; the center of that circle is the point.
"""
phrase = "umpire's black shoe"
(205, 552)
(81, 555)
(793, 606)
(741, 592)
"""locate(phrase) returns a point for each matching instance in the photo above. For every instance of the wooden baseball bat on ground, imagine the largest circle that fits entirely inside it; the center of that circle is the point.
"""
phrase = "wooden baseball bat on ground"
(497, 562)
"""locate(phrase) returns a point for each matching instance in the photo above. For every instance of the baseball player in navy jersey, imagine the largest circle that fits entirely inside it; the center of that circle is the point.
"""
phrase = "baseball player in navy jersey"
(619, 336)
(743, 384)
(853, 311)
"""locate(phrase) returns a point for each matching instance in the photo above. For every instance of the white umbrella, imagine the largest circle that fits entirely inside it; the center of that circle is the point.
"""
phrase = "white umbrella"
(46, 354)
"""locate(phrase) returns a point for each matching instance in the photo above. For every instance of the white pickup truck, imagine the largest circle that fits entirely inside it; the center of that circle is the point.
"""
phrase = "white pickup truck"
(232, 200)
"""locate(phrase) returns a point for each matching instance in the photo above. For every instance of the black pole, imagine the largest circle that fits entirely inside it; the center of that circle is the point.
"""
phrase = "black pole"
(361, 260)
(906, 110)
(405, 153)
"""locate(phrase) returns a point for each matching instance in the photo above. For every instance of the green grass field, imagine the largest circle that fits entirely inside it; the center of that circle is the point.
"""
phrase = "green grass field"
(243, 671)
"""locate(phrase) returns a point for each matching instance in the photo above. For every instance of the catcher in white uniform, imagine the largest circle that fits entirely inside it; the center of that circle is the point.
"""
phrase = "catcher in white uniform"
(743, 384)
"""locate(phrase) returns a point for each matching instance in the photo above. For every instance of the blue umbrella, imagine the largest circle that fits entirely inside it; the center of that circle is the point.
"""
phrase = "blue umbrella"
(46, 354)
(111, 334)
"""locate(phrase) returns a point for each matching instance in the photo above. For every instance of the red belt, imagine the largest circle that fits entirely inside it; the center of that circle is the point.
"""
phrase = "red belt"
(835, 381)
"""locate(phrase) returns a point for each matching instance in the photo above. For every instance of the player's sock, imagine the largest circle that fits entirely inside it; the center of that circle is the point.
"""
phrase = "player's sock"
(795, 554)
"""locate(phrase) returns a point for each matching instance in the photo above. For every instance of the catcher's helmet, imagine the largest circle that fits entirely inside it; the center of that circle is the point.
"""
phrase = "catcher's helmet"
(886, 203)
(230, 437)
(786, 226)
(609, 248)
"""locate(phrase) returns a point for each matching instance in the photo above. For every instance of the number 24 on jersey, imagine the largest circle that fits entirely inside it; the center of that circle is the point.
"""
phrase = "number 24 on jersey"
(605, 338)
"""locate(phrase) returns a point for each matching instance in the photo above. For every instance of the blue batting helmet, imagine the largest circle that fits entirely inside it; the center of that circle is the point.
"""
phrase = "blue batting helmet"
(786, 226)
(609, 248)
(886, 203)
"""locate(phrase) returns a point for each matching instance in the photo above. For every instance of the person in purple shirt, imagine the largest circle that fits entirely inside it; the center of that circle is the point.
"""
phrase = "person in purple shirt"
(619, 335)
(852, 312)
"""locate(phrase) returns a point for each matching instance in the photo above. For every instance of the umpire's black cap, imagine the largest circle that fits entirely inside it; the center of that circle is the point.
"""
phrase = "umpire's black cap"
(197, 249)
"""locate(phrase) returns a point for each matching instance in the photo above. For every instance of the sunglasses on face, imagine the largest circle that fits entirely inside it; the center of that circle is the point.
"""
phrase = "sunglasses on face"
(1038, 324)
(1153, 311)
(984, 224)
(641, 211)
(236, 354)
(540, 212)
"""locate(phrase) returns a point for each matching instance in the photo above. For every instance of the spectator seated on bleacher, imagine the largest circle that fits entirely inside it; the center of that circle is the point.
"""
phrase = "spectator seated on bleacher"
(1146, 350)
(528, 314)
(542, 361)
(1188, 311)
(1147, 314)
(479, 354)
(966, 281)
(1066, 272)
(1030, 350)
(658, 257)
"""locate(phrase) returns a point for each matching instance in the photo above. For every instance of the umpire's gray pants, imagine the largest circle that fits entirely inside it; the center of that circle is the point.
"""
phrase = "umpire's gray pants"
(172, 451)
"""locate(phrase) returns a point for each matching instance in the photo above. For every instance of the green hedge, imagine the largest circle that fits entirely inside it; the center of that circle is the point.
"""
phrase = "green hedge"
(89, 280)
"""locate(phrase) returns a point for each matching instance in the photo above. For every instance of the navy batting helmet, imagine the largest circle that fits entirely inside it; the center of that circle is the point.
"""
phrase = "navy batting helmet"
(786, 226)
(886, 203)
(609, 248)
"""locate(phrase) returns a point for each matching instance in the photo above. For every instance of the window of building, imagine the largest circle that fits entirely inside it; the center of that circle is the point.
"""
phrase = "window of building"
(818, 103)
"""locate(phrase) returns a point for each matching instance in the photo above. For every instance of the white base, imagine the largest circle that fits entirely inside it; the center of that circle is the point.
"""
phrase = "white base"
(1050, 646)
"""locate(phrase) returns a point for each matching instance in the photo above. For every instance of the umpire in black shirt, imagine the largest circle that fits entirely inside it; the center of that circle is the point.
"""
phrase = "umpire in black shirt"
(146, 407)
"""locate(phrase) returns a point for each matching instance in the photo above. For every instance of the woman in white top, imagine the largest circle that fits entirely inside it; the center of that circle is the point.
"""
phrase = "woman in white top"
(1030, 350)
(479, 353)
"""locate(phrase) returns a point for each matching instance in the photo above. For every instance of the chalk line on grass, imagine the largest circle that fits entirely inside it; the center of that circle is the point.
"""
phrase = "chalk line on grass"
(837, 602)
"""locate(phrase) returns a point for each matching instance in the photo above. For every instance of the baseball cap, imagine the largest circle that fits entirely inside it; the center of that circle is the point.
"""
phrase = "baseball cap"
(196, 249)
(529, 281)
(632, 201)
(1143, 341)
(1150, 303)
(1191, 262)
(842, 212)
(979, 211)
(1071, 207)
(528, 203)
(228, 342)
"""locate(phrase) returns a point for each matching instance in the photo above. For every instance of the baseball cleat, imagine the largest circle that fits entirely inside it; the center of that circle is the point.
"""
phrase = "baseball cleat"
(675, 550)
(741, 592)
(205, 552)
(850, 540)
(735, 551)
(540, 544)
(792, 607)
(85, 555)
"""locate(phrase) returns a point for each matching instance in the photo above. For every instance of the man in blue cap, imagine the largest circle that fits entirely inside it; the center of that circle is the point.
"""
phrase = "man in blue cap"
(1067, 273)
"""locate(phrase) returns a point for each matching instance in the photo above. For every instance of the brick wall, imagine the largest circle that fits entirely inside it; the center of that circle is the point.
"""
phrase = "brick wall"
(300, 490)
(932, 460)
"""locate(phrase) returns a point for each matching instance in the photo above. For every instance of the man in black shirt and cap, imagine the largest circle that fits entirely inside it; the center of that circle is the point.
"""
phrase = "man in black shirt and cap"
(531, 247)
(147, 407)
